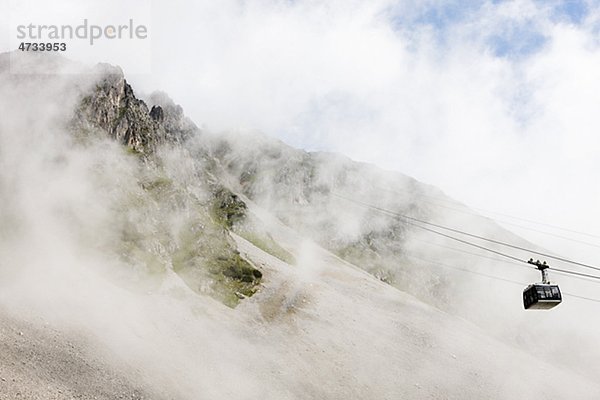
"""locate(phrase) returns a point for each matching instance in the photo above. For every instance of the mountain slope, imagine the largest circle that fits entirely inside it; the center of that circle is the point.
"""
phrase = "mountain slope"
(202, 265)
(322, 329)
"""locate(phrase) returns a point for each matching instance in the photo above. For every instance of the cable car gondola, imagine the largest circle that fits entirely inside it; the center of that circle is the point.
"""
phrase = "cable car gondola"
(544, 295)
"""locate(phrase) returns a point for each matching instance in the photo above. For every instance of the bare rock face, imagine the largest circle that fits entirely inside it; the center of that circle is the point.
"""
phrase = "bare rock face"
(201, 251)
(176, 127)
(157, 113)
(113, 107)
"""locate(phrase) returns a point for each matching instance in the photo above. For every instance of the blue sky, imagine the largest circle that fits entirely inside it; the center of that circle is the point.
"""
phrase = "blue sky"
(512, 38)
(573, 11)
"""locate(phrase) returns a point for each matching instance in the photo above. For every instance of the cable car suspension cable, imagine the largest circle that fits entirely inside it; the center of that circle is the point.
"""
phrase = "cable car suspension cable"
(408, 218)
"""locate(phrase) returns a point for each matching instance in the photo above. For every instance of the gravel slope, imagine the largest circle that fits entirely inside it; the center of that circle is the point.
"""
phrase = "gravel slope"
(38, 361)
(322, 329)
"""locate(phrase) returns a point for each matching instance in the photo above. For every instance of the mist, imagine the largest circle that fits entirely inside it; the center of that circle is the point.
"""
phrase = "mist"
(511, 85)
(90, 232)
(62, 201)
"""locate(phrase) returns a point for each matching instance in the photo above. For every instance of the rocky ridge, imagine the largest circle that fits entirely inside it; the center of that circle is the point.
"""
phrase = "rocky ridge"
(309, 191)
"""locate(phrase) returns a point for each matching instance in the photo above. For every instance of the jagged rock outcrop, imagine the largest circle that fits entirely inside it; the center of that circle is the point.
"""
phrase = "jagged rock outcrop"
(174, 125)
(229, 208)
(201, 250)
(113, 107)
(157, 113)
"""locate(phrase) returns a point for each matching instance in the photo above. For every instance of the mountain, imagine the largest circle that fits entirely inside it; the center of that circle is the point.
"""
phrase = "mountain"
(143, 257)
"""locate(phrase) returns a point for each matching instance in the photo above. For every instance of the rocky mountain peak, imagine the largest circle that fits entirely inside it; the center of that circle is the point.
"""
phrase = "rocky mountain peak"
(112, 106)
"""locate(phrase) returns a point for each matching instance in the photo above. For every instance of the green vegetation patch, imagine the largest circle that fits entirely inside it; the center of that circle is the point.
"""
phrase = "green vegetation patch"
(228, 209)
(164, 225)
(207, 261)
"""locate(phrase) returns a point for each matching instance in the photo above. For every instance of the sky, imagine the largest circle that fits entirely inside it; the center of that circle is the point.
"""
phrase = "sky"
(495, 102)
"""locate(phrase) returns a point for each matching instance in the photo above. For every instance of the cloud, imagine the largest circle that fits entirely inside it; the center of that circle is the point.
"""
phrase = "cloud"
(494, 102)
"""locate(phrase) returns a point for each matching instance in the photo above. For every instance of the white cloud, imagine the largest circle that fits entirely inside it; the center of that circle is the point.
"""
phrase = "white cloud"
(512, 134)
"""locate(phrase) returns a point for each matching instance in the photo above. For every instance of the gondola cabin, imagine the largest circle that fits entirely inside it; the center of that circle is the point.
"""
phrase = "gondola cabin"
(541, 296)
